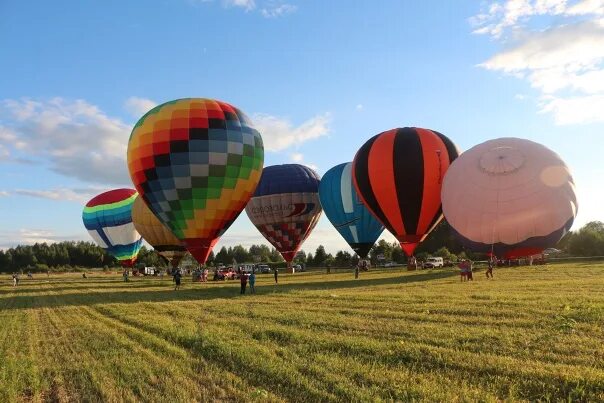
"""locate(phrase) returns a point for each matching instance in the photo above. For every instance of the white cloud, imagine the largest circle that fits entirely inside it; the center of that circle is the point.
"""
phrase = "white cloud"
(266, 8)
(247, 5)
(297, 157)
(565, 62)
(574, 110)
(497, 18)
(79, 195)
(359, 107)
(278, 10)
(74, 137)
(139, 106)
(279, 133)
(4, 193)
(27, 236)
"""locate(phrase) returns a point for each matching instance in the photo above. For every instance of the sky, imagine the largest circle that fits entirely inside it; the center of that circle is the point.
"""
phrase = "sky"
(317, 78)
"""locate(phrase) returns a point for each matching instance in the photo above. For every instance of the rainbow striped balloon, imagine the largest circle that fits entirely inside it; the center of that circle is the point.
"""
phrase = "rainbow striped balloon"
(108, 219)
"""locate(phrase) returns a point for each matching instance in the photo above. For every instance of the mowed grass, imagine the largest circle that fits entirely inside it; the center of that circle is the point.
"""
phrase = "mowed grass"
(532, 333)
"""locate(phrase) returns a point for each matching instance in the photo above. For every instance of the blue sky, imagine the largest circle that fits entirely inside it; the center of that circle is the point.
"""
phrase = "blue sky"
(318, 78)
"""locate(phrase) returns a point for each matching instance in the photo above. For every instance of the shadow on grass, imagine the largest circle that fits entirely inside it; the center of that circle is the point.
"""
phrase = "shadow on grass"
(166, 293)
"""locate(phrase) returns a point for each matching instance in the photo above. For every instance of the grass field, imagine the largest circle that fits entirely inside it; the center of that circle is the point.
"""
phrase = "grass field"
(531, 333)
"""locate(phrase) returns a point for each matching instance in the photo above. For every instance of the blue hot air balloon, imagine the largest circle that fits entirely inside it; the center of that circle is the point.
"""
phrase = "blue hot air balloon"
(345, 210)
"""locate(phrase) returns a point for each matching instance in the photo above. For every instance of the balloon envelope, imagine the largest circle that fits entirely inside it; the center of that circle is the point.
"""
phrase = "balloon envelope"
(285, 207)
(108, 219)
(509, 195)
(156, 234)
(345, 210)
(196, 163)
(398, 175)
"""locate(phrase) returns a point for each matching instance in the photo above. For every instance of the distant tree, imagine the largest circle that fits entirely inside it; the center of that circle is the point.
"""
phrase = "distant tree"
(398, 255)
(223, 256)
(330, 261)
(211, 259)
(381, 248)
(320, 257)
(5, 261)
(445, 254)
(240, 254)
(300, 257)
(588, 241)
(275, 256)
(342, 259)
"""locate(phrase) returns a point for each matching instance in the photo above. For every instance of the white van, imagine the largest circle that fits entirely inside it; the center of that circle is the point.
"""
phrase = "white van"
(434, 262)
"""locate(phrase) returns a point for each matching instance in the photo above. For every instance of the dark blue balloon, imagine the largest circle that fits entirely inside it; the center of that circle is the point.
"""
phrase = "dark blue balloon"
(345, 210)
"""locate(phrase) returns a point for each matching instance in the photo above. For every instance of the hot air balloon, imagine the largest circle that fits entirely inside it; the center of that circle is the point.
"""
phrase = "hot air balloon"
(285, 207)
(345, 210)
(157, 234)
(398, 175)
(509, 196)
(196, 163)
(108, 219)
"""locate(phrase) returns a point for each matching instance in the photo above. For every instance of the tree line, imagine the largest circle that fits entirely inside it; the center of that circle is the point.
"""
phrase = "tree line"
(587, 241)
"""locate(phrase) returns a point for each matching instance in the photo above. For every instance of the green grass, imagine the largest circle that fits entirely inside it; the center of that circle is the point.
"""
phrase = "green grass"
(532, 333)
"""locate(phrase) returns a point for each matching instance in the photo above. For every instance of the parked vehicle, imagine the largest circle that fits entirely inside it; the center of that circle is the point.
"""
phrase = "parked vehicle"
(390, 264)
(432, 262)
(263, 268)
(227, 274)
(148, 271)
(246, 268)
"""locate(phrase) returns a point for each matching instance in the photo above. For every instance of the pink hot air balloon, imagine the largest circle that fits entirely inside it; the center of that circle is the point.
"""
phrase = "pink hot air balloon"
(509, 196)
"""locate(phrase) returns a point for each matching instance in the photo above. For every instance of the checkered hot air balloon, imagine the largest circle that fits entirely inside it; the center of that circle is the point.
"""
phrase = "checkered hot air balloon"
(398, 175)
(157, 234)
(285, 207)
(108, 219)
(509, 196)
(196, 163)
(346, 211)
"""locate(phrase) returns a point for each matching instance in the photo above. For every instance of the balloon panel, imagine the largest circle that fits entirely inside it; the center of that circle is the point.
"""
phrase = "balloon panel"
(398, 174)
(512, 195)
(346, 211)
(196, 162)
(152, 230)
(108, 219)
(286, 207)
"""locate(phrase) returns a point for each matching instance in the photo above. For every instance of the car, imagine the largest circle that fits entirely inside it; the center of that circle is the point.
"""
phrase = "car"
(390, 264)
(227, 274)
(298, 268)
(246, 268)
(263, 268)
(432, 262)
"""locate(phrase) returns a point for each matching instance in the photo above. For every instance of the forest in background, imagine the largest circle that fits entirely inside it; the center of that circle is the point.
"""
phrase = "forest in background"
(71, 255)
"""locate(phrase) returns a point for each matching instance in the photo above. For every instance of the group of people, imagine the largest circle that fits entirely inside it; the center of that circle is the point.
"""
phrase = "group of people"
(200, 275)
(362, 265)
(465, 269)
(244, 278)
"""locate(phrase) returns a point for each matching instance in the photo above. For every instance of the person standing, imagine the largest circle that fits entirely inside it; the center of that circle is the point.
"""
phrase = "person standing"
(276, 276)
(463, 273)
(253, 283)
(356, 270)
(489, 272)
(177, 279)
(15, 279)
(243, 278)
